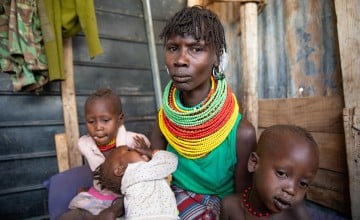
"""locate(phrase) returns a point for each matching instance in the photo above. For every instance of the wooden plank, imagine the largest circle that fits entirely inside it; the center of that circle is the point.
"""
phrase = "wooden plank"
(332, 151)
(316, 114)
(352, 137)
(62, 153)
(69, 106)
(330, 180)
(348, 16)
(331, 199)
(249, 55)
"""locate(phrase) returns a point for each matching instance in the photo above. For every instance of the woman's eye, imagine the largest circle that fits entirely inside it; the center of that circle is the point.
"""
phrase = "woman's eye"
(196, 49)
(171, 48)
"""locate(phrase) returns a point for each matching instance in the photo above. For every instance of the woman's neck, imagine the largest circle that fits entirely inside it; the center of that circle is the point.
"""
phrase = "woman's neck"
(195, 97)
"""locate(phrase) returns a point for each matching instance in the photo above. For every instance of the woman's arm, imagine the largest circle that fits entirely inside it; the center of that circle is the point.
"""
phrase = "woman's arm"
(157, 140)
(245, 144)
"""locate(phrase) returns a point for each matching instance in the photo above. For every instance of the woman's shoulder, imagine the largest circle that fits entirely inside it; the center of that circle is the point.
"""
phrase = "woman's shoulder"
(246, 129)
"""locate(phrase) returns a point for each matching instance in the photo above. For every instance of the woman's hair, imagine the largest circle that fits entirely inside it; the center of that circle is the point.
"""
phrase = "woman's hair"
(105, 93)
(199, 22)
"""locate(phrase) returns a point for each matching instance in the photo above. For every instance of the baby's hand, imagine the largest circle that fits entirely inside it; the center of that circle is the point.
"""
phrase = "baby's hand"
(142, 147)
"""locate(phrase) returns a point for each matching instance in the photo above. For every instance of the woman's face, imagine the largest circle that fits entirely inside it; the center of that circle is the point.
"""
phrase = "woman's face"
(189, 62)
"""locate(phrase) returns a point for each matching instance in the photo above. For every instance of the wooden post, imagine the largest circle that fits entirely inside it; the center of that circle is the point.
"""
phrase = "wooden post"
(348, 16)
(249, 51)
(69, 106)
(62, 153)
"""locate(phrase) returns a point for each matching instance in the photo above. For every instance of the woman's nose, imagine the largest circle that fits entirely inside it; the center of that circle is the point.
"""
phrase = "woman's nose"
(182, 57)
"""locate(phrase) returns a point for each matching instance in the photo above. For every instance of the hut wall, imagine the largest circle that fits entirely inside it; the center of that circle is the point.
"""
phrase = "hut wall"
(299, 82)
(29, 121)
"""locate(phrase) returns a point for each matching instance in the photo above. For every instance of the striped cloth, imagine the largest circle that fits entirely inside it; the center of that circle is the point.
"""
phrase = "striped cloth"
(196, 206)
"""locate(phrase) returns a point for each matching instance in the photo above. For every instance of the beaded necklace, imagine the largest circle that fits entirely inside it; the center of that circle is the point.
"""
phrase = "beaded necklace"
(251, 210)
(107, 147)
(196, 131)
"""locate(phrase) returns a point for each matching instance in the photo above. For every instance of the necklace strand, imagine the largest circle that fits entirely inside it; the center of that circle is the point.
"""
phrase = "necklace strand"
(107, 147)
(196, 131)
(246, 204)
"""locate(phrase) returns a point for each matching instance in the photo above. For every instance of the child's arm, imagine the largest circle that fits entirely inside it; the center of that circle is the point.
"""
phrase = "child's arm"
(142, 147)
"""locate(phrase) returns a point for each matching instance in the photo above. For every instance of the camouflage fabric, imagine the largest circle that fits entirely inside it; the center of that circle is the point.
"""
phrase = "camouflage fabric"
(21, 45)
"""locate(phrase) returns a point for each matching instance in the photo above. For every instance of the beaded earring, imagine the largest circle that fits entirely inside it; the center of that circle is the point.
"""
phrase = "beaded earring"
(167, 70)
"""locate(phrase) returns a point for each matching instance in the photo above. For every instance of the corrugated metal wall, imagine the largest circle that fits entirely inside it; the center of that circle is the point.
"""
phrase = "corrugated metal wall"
(28, 122)
(298, 48)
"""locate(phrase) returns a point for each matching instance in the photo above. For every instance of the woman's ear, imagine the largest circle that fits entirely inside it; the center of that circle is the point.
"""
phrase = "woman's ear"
(119, 170)
(253, 162)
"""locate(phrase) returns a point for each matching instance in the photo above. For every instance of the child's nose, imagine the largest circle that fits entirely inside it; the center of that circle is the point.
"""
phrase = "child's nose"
(290, 188)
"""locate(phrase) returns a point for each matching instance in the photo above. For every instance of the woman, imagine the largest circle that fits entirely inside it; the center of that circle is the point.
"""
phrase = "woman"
(200, 120)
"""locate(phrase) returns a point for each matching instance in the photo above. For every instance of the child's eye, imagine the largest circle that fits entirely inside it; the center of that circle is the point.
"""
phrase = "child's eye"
(281, 173)
(90, 121)
(105, 119)
(304, 184)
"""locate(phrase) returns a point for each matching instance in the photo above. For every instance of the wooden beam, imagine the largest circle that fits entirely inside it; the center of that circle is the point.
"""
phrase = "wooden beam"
(249, 52)
(316, 114)
(348, 16)
(69, 106)
(62, 153)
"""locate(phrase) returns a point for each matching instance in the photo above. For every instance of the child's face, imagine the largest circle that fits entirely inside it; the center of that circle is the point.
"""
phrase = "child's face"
(284, 173)
(117, 161)
(102, 121)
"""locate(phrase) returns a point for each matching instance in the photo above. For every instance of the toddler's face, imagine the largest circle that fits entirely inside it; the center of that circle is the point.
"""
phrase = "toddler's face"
(283, 175)
(102, 121)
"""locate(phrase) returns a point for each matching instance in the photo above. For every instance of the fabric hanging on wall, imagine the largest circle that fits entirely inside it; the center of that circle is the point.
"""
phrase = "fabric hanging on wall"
(65, 18)
(22, 53)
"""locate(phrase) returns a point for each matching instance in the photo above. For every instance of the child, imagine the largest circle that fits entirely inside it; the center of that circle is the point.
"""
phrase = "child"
(283, 166)
(106, 131)
(142, 181)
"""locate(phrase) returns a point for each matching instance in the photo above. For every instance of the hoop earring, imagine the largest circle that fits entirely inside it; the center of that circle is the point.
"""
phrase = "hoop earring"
(167, 70)
(217, 74)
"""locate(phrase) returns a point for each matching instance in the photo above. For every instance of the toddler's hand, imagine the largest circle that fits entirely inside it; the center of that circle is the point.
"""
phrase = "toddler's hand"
(141, 147)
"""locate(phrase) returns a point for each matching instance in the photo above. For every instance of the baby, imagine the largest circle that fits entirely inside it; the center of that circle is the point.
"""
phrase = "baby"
(139, 174)
(283, 166)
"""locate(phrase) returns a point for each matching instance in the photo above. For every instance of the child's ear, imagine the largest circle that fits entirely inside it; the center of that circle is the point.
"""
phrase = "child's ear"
(253, 162)
(119, 171)
(121, 118)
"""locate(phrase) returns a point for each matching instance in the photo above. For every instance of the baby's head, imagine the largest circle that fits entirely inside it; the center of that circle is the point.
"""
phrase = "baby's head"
(284, 165)
(103, 114)
(110, 173)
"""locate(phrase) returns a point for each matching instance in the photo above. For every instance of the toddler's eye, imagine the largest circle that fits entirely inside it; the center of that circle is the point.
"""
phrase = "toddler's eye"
(281, 173)
(304, 184)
